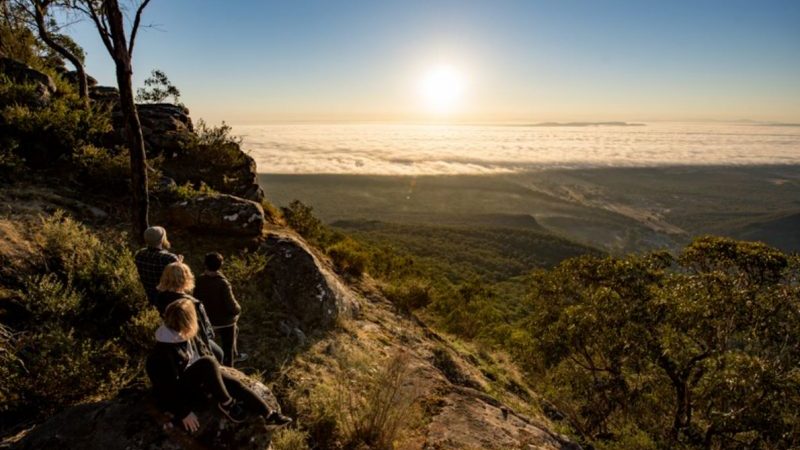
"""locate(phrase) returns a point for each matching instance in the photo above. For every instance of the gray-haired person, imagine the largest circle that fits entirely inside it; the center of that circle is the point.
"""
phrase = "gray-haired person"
(151, 260)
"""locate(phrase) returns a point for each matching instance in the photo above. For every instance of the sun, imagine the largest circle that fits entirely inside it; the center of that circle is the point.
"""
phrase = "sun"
(442, 89)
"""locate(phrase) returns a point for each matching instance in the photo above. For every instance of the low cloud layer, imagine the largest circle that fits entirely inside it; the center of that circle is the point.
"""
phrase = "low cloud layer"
(460, 149)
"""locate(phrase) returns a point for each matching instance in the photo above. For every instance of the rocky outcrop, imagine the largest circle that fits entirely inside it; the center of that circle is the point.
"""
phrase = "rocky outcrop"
(21, 73)
(304, 286)
(217, 213)
(71, 77)
(169, 133)
(133, 422)
(222, 166)
(104, 95)
(166, 128)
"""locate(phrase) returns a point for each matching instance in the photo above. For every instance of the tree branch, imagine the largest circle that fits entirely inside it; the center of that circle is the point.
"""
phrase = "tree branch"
(100, 24)
(136, 23)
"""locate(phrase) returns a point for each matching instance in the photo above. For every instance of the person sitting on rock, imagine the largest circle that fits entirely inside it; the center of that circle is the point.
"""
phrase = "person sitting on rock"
(177, 283)
(183, 374)
(215, 293)
(151, 261)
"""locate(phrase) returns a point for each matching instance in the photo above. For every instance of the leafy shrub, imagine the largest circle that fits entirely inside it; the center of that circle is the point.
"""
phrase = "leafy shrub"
(348, 257)
(300, 217)
(289, 439)
(48, 298)
(100, 167)
(47, 134)
(409, 295)
(318, 404)
(213, 156)
(187, 191)
(216, 136)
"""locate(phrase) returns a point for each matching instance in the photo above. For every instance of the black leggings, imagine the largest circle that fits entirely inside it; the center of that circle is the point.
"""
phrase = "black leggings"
(205, 377)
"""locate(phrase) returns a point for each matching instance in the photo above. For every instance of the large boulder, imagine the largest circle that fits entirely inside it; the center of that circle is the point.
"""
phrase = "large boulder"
(166, 127)
(304, 285)
(132, 422)
(21, 73)
(222, 166)
(219, 214)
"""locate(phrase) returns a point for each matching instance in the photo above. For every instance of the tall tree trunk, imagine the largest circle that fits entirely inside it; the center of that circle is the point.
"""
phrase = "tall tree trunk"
(133, 128)
(83, 86)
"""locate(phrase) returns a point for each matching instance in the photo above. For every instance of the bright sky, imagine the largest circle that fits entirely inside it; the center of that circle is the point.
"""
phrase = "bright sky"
(250, 62)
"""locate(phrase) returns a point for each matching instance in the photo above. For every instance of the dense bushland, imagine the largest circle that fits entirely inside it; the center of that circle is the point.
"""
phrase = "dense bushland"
(698, 350)
(81, 325)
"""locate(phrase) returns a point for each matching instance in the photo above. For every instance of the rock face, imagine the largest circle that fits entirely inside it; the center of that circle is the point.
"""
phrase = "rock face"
(166, 127)
(218, 213)
(22, 73)
(131, 421)
(304, 285)
(469, 421)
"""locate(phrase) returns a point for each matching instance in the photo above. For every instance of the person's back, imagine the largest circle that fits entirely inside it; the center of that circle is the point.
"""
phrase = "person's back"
(215, 293)
(151, 261)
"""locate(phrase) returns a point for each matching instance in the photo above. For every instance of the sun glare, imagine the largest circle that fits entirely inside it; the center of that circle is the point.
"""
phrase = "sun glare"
(442, 89)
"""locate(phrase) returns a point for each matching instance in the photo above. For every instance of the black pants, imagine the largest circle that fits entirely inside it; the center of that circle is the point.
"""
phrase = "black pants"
(204, 377)
(227, 339)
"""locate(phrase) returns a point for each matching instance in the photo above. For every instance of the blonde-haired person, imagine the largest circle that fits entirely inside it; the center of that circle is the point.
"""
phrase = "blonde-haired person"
(177, 283)
(184, 374)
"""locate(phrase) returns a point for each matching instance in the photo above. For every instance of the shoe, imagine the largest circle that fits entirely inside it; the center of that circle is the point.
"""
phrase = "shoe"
(241, 357)
(233, 411)
(276, 418)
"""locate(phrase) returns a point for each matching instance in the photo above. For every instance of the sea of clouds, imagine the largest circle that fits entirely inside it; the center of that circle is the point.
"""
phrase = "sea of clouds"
(394, 149)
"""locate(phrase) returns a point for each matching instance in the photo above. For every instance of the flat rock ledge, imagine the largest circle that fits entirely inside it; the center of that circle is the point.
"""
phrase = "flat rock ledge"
(217, 214)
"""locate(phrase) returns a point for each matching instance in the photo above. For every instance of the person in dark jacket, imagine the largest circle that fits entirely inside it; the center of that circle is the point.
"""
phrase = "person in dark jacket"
(151, 261)
(215, 293)
(177, 281)
(183, 374)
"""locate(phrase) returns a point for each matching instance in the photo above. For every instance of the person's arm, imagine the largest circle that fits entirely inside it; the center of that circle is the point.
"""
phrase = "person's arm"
(204, 317)
(231, 304)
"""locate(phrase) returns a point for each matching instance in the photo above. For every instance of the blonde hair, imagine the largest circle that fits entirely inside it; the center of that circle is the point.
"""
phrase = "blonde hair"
(177, 277)
(181, 316)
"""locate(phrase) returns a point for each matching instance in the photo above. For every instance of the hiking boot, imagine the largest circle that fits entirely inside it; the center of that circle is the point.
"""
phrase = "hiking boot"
(233, 411)
(240, 357)
(276, 418)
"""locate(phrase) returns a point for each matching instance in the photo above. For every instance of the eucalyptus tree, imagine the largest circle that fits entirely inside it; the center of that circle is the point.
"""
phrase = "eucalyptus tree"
(109, 19)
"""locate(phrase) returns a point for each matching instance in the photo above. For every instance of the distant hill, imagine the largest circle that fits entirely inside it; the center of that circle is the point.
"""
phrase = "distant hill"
(459, 252)
(782, 232)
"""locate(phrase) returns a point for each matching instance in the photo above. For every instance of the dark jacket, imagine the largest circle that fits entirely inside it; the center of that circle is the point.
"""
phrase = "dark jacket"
(216, 294)
(206, 331)
(166, 364)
